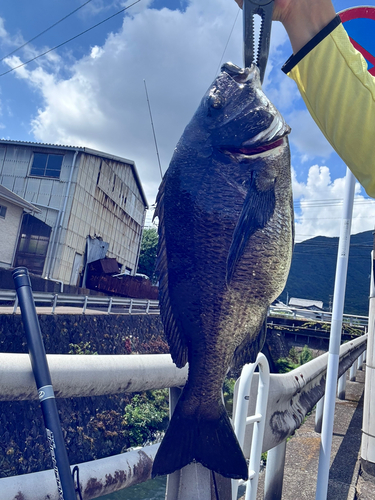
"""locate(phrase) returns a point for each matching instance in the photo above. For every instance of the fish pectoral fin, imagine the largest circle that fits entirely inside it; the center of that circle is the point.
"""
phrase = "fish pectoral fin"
(258, 208)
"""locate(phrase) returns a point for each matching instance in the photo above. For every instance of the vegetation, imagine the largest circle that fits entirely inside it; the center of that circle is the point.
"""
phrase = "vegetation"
(294, 360)
(146, 416)
(228, 391)
(82, 348)
(148, 253)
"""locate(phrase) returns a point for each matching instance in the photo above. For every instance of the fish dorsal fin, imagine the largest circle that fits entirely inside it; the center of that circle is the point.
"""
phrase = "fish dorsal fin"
(258, 208)
(176, 341)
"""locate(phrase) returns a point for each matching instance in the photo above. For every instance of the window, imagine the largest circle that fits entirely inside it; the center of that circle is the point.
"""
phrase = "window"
(46, 165)
(3, 211)
(32, 244)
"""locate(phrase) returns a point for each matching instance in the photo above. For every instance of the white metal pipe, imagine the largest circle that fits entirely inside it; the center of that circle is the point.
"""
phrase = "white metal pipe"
(97, 478)
(368, 425)
(89, 375)
(273, 481)
(240, 420)
(335, 339)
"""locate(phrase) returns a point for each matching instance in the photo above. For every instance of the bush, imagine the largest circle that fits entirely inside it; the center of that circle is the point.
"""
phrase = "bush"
(146, 416)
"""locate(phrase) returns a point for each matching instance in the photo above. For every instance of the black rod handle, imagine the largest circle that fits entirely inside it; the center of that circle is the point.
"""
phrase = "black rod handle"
(38, 358)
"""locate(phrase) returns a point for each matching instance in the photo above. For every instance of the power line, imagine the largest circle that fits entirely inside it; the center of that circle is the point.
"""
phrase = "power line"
(70, 39)
(45, 31)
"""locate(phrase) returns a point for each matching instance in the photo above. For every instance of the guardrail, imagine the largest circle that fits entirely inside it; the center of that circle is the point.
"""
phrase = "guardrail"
(109, 305)
(291, 396)
(124, 305)
(320, 316)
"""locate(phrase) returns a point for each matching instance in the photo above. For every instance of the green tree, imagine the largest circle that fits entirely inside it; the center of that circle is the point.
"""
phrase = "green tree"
(147, 256)
(305, 356)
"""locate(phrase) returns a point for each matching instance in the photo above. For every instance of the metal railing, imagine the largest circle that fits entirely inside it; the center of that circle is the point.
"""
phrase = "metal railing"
(319, 316)
(85, 303)
(241, 420)
(290, 394)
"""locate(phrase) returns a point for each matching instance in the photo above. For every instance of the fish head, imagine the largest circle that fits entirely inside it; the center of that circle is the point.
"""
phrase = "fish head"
(235, 114)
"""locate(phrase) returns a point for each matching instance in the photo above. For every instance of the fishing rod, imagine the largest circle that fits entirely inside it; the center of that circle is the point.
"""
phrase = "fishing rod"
(38, 358)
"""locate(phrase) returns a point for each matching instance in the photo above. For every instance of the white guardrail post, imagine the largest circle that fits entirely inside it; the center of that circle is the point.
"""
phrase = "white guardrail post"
(258, 420)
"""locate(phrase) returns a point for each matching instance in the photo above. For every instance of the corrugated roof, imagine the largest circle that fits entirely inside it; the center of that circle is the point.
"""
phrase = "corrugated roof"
(8, 195)
(81, 149)
(305, 302)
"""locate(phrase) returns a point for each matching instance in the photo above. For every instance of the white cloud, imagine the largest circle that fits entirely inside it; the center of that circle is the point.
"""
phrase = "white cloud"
(306, 136)
(318, 205)
(102, 104)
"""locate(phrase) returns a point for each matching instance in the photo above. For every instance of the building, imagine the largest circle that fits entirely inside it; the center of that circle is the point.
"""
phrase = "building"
(12, 209)
(312, 305)
(91, 204)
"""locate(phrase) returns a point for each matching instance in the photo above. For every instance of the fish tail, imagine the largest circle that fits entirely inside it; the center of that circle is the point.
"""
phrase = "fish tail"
(209, 442)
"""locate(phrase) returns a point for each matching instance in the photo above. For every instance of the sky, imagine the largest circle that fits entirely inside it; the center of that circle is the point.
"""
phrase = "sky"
(91, 91)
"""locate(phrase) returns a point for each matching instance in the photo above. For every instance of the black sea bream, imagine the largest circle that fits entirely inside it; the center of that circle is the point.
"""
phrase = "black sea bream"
(225, 245)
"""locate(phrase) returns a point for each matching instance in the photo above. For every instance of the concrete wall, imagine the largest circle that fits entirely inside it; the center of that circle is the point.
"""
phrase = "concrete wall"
(93, 427)
(9, 228)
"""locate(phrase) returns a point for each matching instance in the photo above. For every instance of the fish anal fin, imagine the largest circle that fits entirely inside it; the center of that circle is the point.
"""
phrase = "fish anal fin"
(249, 349)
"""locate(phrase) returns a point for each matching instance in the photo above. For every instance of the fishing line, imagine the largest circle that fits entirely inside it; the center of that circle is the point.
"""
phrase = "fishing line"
(225, 48)
(70, 39)
(153, 130)
(45, 31)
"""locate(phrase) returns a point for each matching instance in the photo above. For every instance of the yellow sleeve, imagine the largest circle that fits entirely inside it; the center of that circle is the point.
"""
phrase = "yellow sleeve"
(339, 93)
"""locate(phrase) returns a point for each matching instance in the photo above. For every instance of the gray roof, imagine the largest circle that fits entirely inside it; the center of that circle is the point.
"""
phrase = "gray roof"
(90, 151)
(8, 195)
(305, 303)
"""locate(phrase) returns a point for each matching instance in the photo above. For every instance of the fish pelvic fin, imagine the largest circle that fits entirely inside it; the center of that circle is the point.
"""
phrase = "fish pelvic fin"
(209, 442)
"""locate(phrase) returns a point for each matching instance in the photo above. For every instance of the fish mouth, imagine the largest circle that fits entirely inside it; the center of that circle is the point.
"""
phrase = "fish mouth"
(253, 151)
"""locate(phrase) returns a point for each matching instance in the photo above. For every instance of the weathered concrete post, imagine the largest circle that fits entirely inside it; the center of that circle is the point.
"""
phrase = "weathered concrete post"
(353, 372)
(319, 415)
(341, 387)
(368, 426)
(273, 481)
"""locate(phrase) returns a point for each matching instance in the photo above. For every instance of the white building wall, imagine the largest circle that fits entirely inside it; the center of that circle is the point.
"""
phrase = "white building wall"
(108, 204)
(9, 228)
(104, 199)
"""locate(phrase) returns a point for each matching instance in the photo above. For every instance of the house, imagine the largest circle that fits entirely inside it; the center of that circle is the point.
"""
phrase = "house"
(12, 209)
(91, 205)
(313, 305)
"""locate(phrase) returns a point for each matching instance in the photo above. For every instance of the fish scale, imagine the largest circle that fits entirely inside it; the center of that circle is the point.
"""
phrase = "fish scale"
(225, 245)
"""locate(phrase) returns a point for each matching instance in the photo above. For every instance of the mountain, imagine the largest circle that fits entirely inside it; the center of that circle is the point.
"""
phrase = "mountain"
(312, 273)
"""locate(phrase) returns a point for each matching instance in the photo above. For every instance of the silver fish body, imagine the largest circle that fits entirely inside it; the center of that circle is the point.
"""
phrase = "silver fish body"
(225, 245)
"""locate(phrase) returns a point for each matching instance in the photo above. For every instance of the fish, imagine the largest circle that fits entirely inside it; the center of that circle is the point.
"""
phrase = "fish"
(226, 235)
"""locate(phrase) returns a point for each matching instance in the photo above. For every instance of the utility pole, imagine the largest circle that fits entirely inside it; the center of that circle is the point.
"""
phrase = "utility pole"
(368, 426)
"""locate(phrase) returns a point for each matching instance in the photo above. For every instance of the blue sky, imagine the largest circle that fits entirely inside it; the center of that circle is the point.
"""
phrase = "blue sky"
(90, 92)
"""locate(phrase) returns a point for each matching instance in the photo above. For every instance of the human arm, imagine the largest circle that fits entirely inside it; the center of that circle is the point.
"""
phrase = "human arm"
(333, 80)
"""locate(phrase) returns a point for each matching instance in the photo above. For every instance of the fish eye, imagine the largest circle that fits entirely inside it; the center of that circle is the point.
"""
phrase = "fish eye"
(216, 99)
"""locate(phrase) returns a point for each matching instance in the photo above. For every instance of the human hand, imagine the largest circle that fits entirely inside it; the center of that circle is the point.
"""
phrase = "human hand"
(302, 19)
(280, 11)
